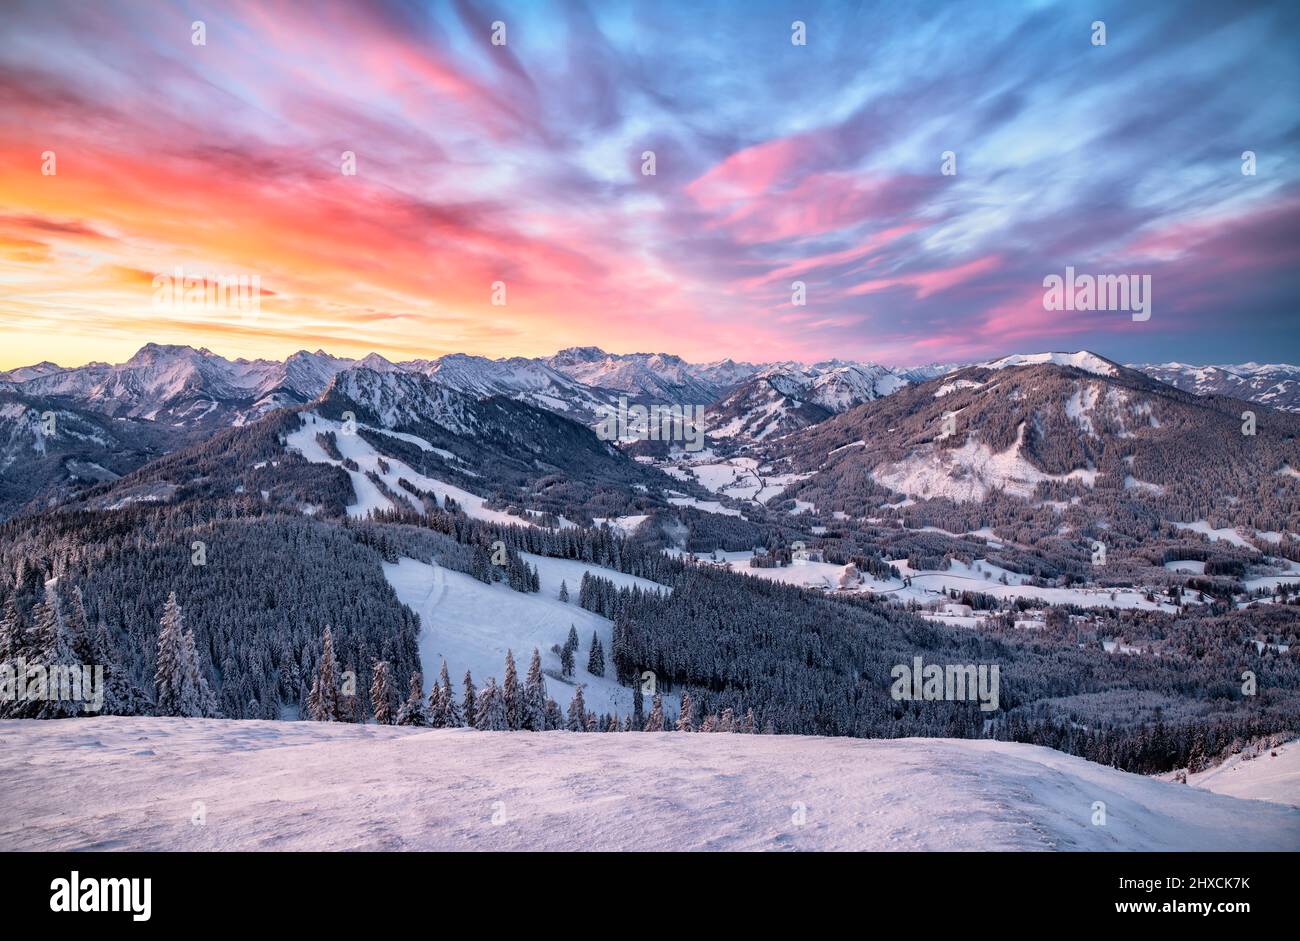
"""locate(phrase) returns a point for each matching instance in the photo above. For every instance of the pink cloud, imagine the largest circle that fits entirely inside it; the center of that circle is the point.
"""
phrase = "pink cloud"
(930, 282)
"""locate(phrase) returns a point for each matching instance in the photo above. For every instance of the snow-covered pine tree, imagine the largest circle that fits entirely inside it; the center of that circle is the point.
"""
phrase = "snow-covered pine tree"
(491, 708)
(596, 660)
(728, 721)
(572, 640)
(512, 696)
(535, 695)
(566, 660)
(638, 705)
(452, 718)
(577, 717)
(176, 690)
(686, 720)
(324, 705)
(381, 693)
(13, 634)
(206, 703)
(564, 590)
(53, 649)
(655, 721)
(710, 723)
(469, 705)
(747, 724)
(554, 718)
(83, 641)
(437, 708)
(412, 711)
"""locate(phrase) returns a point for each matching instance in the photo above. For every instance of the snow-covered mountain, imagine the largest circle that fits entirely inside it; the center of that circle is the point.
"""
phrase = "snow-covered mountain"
(1066, 428)
(786, 397)
(528, 380)
(182, 386)
(1082, 359)
(561, 790)
(48, 448)
(1275, 385)
(658, 376)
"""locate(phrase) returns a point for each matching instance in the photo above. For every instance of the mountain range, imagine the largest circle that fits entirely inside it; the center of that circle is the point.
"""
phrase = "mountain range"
(102, 421)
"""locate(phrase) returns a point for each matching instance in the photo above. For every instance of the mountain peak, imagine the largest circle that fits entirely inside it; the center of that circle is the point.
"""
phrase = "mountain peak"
(1080, 359)
(377, 363)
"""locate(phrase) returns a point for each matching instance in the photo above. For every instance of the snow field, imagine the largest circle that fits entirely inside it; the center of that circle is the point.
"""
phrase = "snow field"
(133, 783)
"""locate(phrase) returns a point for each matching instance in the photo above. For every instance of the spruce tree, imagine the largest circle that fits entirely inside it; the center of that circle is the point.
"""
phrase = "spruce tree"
(655, 721)
(577, 718)
(437, 708)
(535, 695)
(13, 635)
(511, 695)
(686, 721)
(176, 679)
(491, 708)
(381, 693)
(325, 705)
(452, 718)
(554, 718)
(412, 711)
(564, 590)
(596, 661)
(468, 704)
(54, 650)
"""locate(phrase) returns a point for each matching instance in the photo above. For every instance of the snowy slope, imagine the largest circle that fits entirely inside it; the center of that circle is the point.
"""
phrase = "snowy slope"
(1271, 775)
(369, 497)
(471, 625)
(133, 784)
(1088, 362)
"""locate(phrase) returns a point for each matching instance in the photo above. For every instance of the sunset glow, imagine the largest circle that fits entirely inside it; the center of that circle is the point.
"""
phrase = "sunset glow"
(522, 164)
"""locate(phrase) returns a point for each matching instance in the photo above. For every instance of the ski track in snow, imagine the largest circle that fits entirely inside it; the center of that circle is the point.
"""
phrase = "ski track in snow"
(132, 783)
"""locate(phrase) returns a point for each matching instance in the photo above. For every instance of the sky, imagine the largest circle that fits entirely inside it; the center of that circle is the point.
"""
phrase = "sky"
(500, 204)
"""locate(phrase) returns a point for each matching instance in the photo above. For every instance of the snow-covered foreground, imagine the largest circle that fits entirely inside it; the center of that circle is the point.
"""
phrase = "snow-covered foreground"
(133, 783)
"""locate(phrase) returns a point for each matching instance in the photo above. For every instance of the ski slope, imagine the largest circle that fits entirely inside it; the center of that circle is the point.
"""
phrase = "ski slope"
(370, 497)
(113, 783)
(472, 625)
